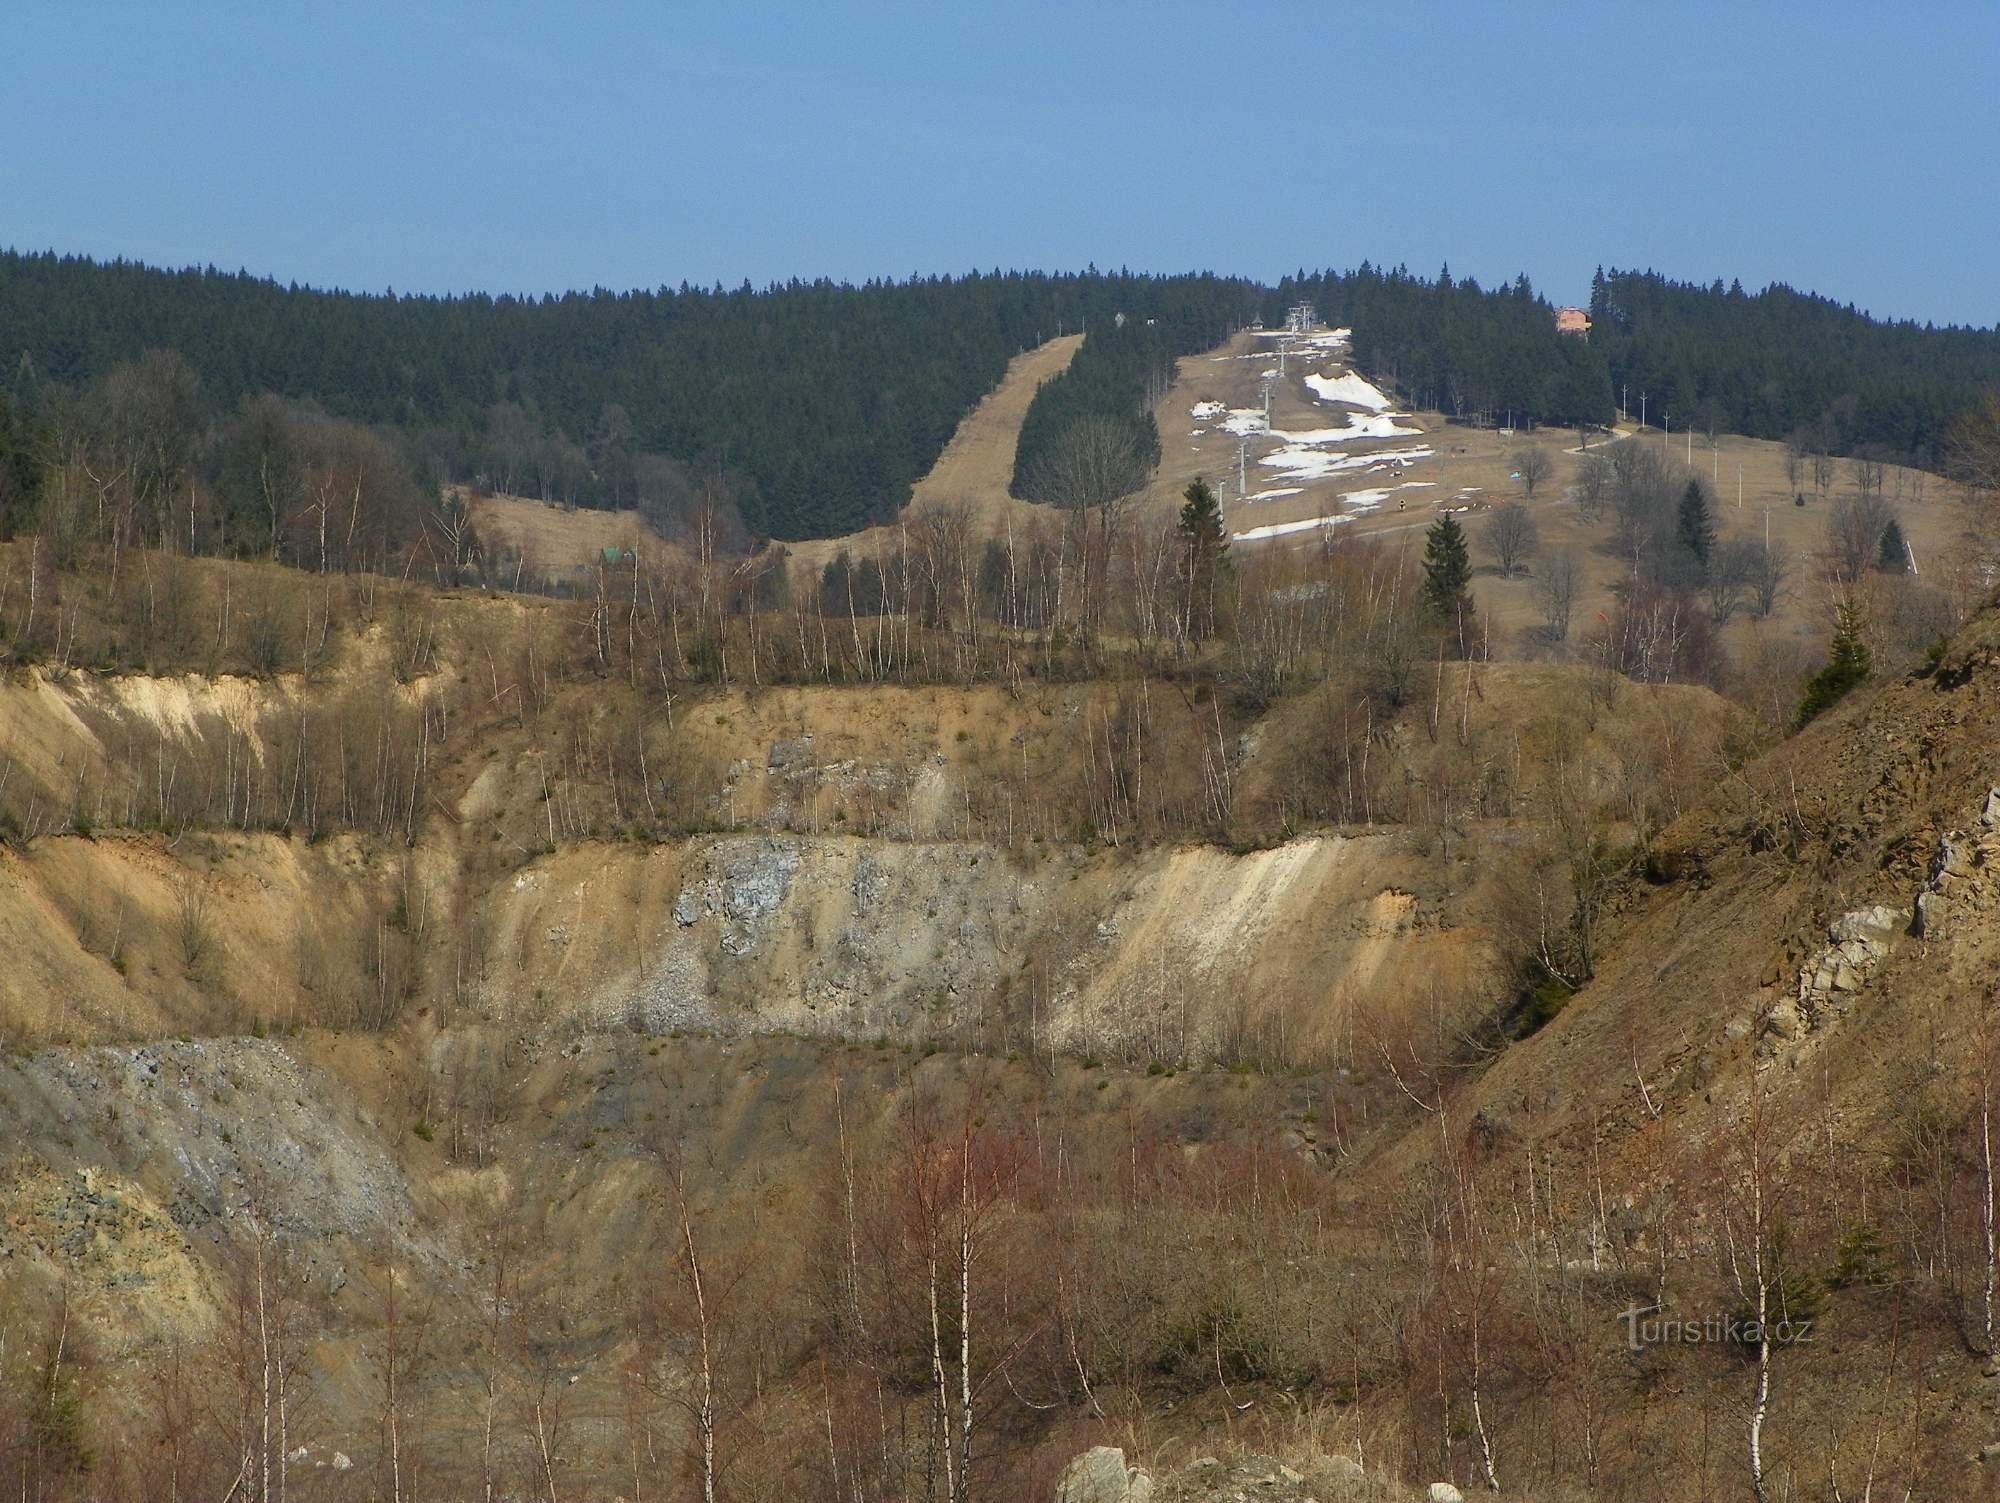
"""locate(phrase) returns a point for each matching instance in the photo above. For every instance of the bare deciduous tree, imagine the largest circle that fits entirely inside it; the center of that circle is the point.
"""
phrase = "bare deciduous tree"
(1510, 536)
(1972, 447)
(1854, 529)
(1732, 568)
(1771, 566)
(1867, 464)
(1092, 472)
(1593, 481)
(1534, 466)
(1825, 440)
(1557, 577)
(1798, 446)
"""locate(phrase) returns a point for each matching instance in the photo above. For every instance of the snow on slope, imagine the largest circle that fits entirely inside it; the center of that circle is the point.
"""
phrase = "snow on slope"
(1306, 462)
(1351, 502)
(1284, 529)
(1319, 339)
(1349, 388)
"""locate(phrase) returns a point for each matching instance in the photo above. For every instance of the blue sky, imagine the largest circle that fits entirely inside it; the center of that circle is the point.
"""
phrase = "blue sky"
(1849, 149)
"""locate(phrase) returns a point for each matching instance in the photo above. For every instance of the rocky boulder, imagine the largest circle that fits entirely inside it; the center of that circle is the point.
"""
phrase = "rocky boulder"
(1100, 1475)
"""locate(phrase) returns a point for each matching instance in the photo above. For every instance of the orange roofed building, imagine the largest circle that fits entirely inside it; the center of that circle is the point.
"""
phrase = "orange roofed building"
(1572, 321)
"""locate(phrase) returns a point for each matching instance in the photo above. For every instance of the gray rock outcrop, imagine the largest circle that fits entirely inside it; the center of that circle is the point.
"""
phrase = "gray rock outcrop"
(1100, 1475)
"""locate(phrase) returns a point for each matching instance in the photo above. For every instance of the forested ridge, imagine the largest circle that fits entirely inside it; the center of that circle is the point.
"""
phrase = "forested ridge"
(1458, 348)
(1111, 386)
(1770, 363)
(1765, 364)
(227, 414)
(821, 401)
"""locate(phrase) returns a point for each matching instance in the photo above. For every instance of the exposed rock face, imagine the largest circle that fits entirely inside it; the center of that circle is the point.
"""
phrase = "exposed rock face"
(1100, 1475)
(1858, 942)
(1958, 881)
(1785, 1021)
(789, 753)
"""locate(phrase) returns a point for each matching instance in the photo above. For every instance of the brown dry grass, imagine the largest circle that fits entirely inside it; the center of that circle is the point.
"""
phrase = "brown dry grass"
(556, 539)
(1471, 469)
(976, 466)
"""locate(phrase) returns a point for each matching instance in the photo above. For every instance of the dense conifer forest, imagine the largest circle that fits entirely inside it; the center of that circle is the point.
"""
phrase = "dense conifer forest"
(1772, 363)
(1455, 347)
(819, 403)
(1108, 391)
(226, 414)
(1775, 364)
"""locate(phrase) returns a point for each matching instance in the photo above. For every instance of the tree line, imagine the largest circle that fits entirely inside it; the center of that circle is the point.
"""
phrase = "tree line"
(824, 401)
(1458, 348)
(1772, 363)
(1112, 384)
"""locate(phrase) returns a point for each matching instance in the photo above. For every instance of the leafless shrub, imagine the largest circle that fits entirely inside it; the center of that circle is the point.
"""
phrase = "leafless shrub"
(194, 924)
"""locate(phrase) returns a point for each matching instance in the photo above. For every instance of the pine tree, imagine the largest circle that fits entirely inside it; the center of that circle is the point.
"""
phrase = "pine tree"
(1694, 529)
(1205, 554)
(1447, 568)
(1894, 557)
(1848, 663)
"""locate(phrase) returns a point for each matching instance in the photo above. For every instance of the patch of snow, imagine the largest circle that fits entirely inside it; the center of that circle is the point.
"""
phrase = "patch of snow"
(1203, 412)
(1276, 495)
(1286, 529)
(1319, 339)
(1349, 388)
(1358, 426)
(1380, 425)
(1303, 462)
(1244, 421)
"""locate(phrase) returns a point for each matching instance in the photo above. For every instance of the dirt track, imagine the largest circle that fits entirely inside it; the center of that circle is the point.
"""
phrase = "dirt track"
(978, 463)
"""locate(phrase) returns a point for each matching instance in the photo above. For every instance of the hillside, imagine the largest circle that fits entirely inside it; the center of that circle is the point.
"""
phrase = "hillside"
(477, 1062)
(584, 1002)
(476, 1029)
(1340, 460)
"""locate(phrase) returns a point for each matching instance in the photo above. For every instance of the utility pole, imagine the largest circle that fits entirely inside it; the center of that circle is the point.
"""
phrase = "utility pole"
(1642, 412)
(1621, 401)
(1242, 450)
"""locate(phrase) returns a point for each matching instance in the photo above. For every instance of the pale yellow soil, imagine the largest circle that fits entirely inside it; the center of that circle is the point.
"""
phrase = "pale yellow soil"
(977, 465)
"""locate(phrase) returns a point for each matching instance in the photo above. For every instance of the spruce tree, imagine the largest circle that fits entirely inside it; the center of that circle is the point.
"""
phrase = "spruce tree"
(1894, 556)
(1694, 529)
(1447, 568)
(1205, 552)
(1848, 663)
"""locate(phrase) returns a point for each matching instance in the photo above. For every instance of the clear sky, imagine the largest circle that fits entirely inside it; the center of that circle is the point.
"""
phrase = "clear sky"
(1844, 148)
